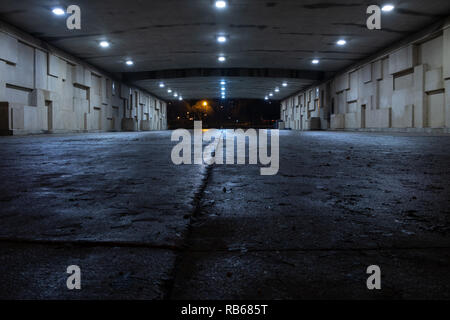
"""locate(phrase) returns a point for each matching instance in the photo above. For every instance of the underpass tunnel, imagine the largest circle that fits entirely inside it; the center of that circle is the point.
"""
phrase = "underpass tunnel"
(337, 114)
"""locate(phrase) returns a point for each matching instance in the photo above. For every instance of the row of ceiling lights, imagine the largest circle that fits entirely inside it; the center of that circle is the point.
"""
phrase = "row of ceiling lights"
(175, 94)
(103, 43)
(343, 42)
(277, 90)
(221, 38)
(340, 42)
(129, 62)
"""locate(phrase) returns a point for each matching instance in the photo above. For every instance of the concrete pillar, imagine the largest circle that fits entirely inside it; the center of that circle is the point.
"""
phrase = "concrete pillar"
(447, 74)
(447, 103)
(420, 101)
(2, 85)
(446, 59)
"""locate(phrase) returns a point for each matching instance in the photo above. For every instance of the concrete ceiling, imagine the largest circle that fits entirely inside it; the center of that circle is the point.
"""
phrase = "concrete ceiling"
(163, 35)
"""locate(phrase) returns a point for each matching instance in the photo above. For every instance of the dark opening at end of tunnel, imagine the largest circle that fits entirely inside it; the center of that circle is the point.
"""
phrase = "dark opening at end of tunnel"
(223, 114)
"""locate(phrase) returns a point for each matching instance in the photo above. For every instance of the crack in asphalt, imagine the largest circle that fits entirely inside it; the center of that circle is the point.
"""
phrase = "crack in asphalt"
(196, 213)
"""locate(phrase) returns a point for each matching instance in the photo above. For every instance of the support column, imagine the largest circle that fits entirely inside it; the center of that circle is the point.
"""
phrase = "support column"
(420, 101)
(447, 103)
(447, 73)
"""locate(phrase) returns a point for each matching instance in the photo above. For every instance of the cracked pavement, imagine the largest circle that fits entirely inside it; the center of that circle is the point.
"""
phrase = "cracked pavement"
(142, 228)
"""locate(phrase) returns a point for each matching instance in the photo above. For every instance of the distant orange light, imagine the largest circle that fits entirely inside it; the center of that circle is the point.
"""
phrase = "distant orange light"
(205, 103)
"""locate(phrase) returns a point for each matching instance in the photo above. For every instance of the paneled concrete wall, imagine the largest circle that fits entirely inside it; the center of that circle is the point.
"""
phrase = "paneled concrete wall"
(406, 88)
(42, 91)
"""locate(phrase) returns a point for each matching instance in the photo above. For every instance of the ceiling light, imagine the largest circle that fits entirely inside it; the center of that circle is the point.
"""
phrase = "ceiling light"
(221, 39)
(104, 44)
(277, 90)
(388, 8)
(271, 94)
(223, 83)
(175, 94)
(180, 98)
(162, 85)
(129, 62)
(220, 4)
(285, 84)
(315, 61)
(223, 89)
(58, 11)
(222, 59)
(266, 98)
(169, 91)
(341, 42)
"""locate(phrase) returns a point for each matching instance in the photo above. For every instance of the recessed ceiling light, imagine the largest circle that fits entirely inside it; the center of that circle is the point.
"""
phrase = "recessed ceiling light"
(162, 85)
(341, 42)
(58, 11)
(222, 59)
(271, 94)
(388, 8)
(129, 62)
(175, 94)
(315, 61)
(223, 83)
(223, 89)
(266, 98)
(285, 84)
(104, 44)
(221, 39)
(277, 89)
(169, 90)
(221, 4)
(180, 98)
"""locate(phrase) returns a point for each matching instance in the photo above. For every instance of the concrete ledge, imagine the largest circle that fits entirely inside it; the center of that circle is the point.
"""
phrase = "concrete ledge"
(129, 124)
(314, 124)
(352, 120)
(337, 121)
(145, 125)
(378, 119)
(403, 116)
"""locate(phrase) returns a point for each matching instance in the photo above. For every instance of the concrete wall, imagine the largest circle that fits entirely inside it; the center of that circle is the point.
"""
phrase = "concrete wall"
(43, 90)
(406, 88)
